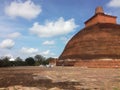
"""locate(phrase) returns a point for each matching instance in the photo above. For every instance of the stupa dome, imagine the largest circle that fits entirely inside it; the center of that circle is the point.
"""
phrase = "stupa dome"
(98, 40)
(101, 40)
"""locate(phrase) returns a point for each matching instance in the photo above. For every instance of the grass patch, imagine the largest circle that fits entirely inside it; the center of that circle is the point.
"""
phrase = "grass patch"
(115, 88)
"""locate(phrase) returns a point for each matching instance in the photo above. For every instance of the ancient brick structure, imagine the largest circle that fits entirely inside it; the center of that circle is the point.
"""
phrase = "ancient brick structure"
(99, 64)
(100, 17)
(96, 45)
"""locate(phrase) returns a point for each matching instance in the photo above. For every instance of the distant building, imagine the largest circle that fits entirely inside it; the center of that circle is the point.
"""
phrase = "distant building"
(53, 61)
(96, 45)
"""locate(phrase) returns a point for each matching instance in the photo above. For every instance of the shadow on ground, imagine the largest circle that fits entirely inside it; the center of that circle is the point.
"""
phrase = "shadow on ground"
(27, 80)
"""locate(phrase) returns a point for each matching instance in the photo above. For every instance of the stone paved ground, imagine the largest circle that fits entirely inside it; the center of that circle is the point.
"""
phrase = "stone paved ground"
(20, 87)
(59, 78)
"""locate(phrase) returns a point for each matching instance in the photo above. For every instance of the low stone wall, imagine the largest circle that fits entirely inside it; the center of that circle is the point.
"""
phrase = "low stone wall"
(91, 63)
(65, 63)
(98, 64)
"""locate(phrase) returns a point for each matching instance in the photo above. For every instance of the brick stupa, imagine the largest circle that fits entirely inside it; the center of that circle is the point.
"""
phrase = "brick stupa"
(96, 45)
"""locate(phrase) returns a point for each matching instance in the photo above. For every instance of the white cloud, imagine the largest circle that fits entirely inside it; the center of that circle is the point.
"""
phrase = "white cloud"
(114, 3)
(14, 35)
(25, 50)
(27, 9)
(33, 51)
(7, 43)
(53, 28)
(12, 59)
(65, 39)
(48, 42)
(10, 56)
(47, 53)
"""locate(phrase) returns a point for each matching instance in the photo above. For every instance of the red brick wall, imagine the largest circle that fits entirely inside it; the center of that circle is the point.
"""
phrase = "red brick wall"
(91, 63)
(99, 64)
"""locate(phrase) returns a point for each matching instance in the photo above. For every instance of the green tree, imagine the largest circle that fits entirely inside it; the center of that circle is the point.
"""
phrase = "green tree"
(30, 61)
(1, 63)
(39, 59)
(19, 62)
(18, 59)
(5, 62)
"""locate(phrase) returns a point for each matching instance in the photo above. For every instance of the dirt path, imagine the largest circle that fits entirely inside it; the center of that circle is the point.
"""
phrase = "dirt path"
(60, 78)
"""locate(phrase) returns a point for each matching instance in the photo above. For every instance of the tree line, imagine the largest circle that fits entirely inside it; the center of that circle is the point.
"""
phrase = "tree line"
(30, 61)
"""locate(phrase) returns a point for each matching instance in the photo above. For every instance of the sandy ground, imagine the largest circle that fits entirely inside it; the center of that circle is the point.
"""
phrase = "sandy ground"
(59, 78)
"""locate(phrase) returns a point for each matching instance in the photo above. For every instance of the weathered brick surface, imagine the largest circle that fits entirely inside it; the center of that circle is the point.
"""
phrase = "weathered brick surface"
(98, 64)
(97, 41)
(91, 63)
(101, 18)
(100, 39)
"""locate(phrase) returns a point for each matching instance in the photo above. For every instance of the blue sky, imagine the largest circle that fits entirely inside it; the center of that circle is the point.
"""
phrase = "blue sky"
(30, 27)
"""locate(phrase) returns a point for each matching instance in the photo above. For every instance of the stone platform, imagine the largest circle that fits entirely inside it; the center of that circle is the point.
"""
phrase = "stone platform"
(91, 63)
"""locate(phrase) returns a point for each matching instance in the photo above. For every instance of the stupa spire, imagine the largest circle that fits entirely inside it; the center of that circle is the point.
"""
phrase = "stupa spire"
(98, 10)
(100, 17)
